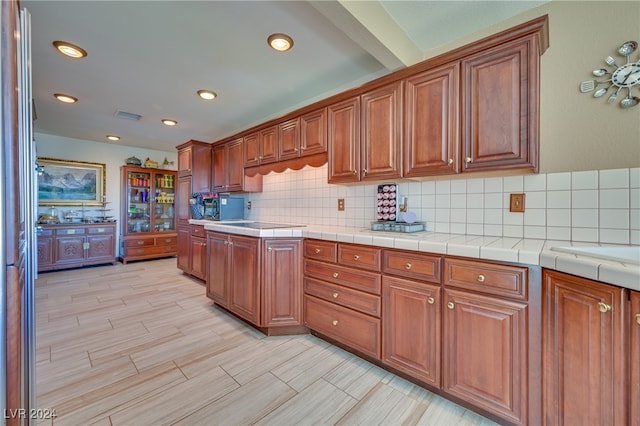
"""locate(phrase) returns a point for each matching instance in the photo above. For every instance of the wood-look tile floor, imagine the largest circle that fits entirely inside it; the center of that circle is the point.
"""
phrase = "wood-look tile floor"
(140, 344)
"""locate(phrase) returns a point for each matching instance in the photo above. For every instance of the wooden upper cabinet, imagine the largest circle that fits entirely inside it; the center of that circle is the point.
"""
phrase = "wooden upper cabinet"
(228, 170)
(313, 132)
(500, 107)
(584, 361)
(260, 147)
(235, 171)
(343, 122)
(380, 133)
(194, 159)
(289, 139)
(219, 161)
(365, 136)
(432, 123)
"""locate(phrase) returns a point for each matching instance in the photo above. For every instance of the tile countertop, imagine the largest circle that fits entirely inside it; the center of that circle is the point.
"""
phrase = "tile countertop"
(517, 250)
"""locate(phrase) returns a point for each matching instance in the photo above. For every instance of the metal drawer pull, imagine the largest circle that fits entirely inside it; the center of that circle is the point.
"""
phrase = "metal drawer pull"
(356, 257)
(638, 318)
(318, 251)
(480, 278)
(450, 305)
(334, 322)
(335, 295)
(140, 243)
(168, 240)
(408, 266)
(335, 275)
(431, 300)
(603, 307)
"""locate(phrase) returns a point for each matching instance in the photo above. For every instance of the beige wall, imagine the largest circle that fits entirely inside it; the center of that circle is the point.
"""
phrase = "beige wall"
(577, 131)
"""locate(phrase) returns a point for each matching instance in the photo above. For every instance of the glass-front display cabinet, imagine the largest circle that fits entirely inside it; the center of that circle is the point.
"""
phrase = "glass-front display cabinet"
(148, 223)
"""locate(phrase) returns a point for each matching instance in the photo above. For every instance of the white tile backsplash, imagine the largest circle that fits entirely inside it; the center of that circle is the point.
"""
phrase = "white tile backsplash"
(597, 206)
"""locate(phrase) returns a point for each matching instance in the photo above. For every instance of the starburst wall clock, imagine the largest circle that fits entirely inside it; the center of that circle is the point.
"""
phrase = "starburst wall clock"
(622, 78)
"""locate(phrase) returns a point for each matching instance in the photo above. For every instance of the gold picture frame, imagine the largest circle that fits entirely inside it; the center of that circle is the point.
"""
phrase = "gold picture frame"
(71, 183)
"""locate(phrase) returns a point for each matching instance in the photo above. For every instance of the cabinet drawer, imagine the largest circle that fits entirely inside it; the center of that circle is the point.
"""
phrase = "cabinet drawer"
(354, 299)
(489, 278)
(70, 231)
(149, 250)
(198, 231)
(101, 230)
(140, 242)
(45, 232)
(321, 250)
(359, 256)
(348, 277)
(413, 265)
(356, 330)
(166, 241)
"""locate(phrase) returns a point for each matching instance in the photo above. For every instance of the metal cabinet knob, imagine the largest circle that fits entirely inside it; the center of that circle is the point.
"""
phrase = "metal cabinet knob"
(317, 251)
(408, 266)
(335, 275)
(356, 257)
(364, 172)
(450, 162)
(335, 295)
(467, 160)
(355, 172)
(603, 307)
(431, 300)
(450, 305)
(480, 278)
(334, 322)
(638, 318)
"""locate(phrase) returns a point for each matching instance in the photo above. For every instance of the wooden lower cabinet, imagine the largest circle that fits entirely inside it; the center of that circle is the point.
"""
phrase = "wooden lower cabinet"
(198, 257)
(411, 328)
(183, 242)
(634, 377)
(485, 353)
(149, 247)
(584, 352)
(192, 251)
(257, 279)
(75, 245)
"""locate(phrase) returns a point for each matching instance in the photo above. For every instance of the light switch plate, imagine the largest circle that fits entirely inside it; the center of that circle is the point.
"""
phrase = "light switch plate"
(516, 203)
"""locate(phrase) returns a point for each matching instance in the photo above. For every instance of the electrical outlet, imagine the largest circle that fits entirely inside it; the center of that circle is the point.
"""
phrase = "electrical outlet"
(248, 205)
(516, 203)
(340, 204)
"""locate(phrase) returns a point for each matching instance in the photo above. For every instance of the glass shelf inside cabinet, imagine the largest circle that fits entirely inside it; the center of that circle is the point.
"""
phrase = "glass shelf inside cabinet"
(139, 202)
(164, 203)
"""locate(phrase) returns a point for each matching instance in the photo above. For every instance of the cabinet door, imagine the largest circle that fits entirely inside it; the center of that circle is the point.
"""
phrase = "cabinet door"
(251, 150)
(282, 283)
(634, 377)
(101, 247)
(219, 163)
(244, 277)
(584, 378)
(198, 257)
(235, 171)
(268, 145)
(500, 107)
(45, 253)
(432, 135)
(201, 171)
(411, 328)
(184, 161)
(217, 268)
(485, 353)
(183, 246)
(380, 128)
(70, 249)
(313, 132)
(344, 141)
(289, 139)
(183, 195)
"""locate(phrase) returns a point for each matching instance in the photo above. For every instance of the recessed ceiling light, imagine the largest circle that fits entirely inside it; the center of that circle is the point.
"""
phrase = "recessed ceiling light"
(113, 137)
(169, 122)
(280, 42)
(207, 94)
(70, 50)
(65, 98)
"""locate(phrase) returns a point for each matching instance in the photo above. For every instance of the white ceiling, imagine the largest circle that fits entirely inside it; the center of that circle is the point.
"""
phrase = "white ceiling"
(150, 58)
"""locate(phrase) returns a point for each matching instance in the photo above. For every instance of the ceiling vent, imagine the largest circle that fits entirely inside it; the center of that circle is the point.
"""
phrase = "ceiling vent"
(128, 115)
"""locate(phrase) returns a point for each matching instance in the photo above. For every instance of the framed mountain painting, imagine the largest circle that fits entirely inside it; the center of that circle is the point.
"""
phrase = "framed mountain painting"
(70, 183)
